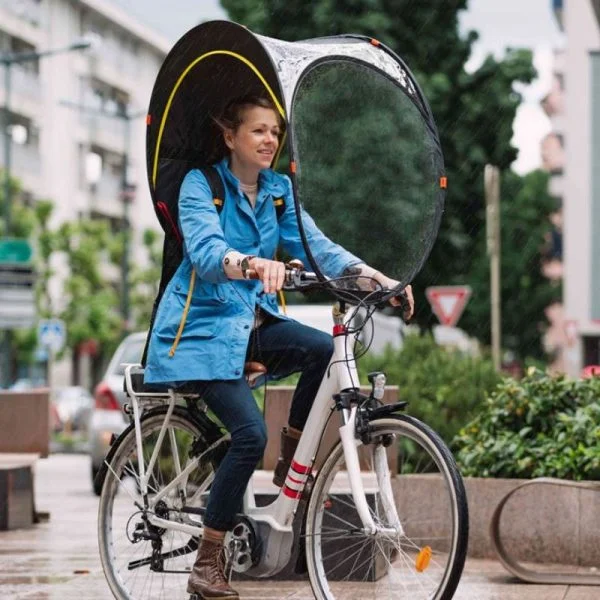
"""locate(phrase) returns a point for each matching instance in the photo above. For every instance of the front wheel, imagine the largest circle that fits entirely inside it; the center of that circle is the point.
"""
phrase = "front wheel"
(421, 553)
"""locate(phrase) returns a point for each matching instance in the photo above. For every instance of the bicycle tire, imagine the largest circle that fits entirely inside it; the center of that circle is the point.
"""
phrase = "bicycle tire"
(342, 557)
(127, 565)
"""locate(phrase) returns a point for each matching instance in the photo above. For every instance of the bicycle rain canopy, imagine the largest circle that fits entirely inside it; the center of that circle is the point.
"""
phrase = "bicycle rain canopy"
(364, 153)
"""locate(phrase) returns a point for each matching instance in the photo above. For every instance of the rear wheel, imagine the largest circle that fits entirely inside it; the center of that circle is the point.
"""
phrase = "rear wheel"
(142, 561)
(421, 561)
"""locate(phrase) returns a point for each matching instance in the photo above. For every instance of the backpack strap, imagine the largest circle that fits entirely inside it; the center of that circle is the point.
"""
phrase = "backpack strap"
(279, 204)
(215, 183)
(218, 191)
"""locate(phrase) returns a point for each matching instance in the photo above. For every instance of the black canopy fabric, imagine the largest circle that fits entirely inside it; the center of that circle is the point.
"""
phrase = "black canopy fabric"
(335, 94)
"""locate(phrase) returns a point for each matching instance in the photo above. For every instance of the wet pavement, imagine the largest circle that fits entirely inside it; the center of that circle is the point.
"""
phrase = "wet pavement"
(58, 558)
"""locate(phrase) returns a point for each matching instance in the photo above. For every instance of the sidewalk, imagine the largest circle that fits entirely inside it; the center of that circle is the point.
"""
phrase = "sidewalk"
(58, 559)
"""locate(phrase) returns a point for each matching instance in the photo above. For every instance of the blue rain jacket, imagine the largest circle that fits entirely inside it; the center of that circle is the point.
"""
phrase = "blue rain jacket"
(216, 331)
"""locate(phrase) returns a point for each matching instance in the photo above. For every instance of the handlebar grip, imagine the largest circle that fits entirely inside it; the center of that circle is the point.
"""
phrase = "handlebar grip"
(252, 274)
(404, 303)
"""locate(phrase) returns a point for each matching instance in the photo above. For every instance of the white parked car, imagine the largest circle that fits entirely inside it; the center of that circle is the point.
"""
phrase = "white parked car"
(387, 330)
(107, 418)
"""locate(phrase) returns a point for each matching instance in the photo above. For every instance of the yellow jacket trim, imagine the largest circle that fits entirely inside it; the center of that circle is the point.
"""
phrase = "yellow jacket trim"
(186, 309)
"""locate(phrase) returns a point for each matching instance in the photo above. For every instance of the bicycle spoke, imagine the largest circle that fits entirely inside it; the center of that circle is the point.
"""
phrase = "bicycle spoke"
(128, 565)
(417, 564)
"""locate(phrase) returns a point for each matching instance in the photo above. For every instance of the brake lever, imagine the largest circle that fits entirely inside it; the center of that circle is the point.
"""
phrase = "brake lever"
(404, 305)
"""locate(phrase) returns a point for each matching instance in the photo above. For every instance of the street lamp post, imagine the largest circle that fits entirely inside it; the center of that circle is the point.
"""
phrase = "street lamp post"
(7, 61)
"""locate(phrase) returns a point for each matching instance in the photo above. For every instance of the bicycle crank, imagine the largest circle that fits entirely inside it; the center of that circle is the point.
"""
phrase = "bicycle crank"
(243, 546)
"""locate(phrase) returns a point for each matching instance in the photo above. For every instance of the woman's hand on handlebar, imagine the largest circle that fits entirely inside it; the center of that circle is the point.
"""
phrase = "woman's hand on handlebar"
(270, 272)
(405, 298)
(409, 311)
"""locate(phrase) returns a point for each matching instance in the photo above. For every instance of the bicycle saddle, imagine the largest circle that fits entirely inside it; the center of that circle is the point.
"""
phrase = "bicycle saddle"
(253, 371)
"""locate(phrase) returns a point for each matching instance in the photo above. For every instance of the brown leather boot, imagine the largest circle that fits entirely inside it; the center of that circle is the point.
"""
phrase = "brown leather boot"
(207, 579)
(289, 443)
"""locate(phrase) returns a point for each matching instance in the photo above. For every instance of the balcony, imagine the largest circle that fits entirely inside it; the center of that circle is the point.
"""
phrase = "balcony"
(25, 83)
(105, 196)
(556, 186)
(25, 165)
(29, 11)
(107, 132)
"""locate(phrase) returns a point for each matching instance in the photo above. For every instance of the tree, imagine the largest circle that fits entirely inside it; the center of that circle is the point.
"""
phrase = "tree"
(145, 280)
(38, 231)
(525, 292)
(474, 112)
(90, 304)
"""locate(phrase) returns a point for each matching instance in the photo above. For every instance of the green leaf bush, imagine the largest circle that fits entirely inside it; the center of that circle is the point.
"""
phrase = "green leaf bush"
(444, 387)
(540, 426)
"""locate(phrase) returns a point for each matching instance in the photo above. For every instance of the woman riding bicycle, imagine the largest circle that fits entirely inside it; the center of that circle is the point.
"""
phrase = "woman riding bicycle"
(201, 345)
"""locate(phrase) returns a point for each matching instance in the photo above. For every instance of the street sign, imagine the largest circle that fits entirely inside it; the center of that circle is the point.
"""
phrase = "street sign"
(17, 308)
(17, 284)
(15, 251)
(52, 334)
(448, 302)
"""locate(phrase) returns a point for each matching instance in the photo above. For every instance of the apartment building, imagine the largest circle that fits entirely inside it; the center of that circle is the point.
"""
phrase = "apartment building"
(579, 184)
(556, 339)
(74, 115)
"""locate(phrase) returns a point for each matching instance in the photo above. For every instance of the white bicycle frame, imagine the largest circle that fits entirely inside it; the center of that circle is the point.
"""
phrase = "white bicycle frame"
(278, 516)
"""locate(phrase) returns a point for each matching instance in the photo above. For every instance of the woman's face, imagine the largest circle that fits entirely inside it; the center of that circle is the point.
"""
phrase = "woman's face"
(255, 142)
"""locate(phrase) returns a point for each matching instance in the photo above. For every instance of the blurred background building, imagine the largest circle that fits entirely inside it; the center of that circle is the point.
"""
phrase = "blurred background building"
(553, 161)
(571, 153)
(84, 109)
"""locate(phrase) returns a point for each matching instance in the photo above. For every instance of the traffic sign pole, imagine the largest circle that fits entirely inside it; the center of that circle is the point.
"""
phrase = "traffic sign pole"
(492, 198)
(52, 335)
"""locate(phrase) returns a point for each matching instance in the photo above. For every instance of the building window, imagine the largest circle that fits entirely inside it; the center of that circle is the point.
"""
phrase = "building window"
(105, 98)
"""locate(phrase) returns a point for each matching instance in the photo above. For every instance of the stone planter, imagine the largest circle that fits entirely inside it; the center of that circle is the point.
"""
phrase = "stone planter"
(543, 524)
(25, 421)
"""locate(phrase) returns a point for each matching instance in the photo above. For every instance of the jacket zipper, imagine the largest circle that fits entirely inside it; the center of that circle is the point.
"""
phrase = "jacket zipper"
(186, 309)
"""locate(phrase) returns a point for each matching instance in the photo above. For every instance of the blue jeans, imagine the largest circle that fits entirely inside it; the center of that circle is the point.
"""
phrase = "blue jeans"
(284, 347)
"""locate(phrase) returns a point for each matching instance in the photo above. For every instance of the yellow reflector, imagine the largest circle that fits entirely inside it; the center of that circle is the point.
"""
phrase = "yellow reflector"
(423, 559)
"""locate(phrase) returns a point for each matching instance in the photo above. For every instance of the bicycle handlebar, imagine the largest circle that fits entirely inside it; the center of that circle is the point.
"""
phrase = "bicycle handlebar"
(297, 279)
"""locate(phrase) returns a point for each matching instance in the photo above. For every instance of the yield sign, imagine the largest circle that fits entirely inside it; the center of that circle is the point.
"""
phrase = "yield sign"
(448, 302)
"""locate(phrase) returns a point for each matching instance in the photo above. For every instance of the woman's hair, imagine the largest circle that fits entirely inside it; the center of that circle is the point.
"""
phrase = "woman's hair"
(232, 117)
(233, 113)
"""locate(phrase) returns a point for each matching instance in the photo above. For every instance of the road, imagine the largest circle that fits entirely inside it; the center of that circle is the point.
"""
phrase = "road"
(58, 559)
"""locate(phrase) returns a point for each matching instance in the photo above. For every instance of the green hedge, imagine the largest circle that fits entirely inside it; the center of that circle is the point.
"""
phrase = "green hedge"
(540, 426)
(444, 388)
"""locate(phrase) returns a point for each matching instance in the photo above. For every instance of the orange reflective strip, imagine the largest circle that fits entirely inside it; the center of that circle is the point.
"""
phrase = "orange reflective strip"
(293, 166)
(375, 42)
(443, 182)
(148, 119)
